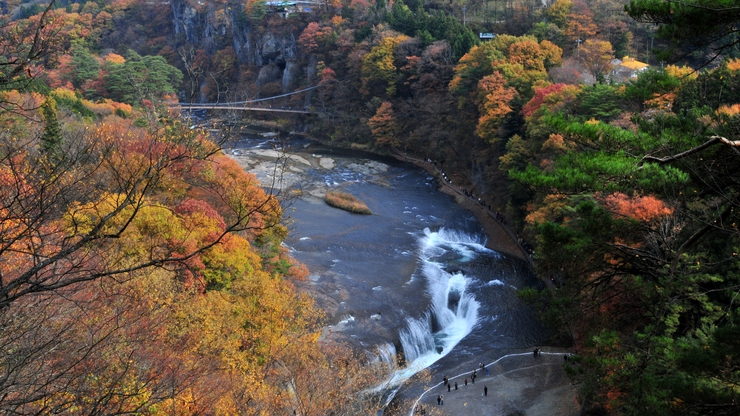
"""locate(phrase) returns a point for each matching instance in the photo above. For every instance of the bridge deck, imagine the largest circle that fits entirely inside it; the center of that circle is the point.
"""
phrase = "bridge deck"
(242, 108)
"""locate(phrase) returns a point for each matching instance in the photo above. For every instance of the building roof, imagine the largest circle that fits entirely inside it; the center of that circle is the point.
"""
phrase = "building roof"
(633, 64)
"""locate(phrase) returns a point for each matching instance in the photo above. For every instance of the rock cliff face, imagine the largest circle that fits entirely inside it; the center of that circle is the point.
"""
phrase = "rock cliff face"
(212, 27)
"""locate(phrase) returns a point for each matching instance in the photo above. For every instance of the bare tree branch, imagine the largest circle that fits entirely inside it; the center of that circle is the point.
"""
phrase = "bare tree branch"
(711, 142)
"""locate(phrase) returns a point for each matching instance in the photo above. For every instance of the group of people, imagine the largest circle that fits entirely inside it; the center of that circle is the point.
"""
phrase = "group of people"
(526, 246)
(446, 381)
(500, 218)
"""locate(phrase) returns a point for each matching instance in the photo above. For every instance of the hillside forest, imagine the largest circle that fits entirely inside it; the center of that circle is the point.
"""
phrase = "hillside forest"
(141, 270)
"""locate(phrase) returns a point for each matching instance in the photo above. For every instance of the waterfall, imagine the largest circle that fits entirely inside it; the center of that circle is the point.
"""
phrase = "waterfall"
(453, 315)
(454, 311)
(385, 357)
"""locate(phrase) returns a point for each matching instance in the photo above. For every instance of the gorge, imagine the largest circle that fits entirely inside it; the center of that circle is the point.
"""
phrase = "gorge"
(145, 271)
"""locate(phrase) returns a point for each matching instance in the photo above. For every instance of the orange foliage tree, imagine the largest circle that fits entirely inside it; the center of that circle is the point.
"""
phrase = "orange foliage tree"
(491, 75)
(384, 126)
(580, 23)
(494, 104)
(641, 208)
(307, 39)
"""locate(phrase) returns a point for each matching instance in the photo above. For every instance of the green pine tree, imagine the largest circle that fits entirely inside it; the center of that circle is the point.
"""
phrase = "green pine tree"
(51, 139)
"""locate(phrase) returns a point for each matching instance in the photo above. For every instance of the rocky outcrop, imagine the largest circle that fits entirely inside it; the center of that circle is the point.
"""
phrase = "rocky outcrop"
(291, 75)
(277, 49)
(194, 26)
(211, 27)
(268, 73)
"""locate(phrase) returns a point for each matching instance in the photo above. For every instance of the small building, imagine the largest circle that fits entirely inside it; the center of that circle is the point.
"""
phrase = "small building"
(626, 69)
(283, 8)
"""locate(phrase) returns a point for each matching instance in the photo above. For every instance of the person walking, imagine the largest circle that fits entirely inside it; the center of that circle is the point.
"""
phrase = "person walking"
(466, 382)
(485, 390)
(449, 386)
(439, 400)
(456, 385)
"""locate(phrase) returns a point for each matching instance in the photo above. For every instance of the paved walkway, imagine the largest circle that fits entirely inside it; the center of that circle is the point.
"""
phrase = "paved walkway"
(518, 384)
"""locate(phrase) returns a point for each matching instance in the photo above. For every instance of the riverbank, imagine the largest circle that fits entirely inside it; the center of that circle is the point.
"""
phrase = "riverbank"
(500, 237)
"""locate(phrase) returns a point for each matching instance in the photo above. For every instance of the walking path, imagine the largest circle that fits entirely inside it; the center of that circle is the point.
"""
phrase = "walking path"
(490, 216)
(517, 384)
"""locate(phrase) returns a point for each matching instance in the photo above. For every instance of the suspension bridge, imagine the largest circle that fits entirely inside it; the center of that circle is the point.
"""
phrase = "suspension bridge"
(250, 105)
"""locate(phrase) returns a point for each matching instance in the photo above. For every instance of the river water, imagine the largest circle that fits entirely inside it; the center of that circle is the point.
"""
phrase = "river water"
(414, 282)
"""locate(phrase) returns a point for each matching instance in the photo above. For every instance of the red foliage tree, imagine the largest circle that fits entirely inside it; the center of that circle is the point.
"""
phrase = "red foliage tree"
(539, 97)
(308, 38)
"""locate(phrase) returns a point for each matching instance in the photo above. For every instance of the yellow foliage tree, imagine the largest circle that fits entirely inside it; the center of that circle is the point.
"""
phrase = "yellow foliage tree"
(378, 68)
(596, 57)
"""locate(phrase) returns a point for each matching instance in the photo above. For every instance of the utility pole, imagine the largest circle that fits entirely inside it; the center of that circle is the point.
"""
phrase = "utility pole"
(464, 9)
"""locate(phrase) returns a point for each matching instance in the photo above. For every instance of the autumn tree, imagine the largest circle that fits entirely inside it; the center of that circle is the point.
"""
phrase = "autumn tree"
(384, 126)
(558, 11)
(495, 105)
(596, 57)
(580, 23)
(167, 230)
(522, 60)
(504, 70)
(307, 39)
(473, 66)
(23, 44)
(378, 68)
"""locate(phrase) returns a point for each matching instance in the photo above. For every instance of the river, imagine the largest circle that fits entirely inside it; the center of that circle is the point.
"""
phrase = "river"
(414, 282)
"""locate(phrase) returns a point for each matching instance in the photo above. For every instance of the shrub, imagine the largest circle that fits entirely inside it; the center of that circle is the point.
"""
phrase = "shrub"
(346, 202)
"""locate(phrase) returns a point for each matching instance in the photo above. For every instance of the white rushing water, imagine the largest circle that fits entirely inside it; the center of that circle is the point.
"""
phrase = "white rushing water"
(454, 311)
